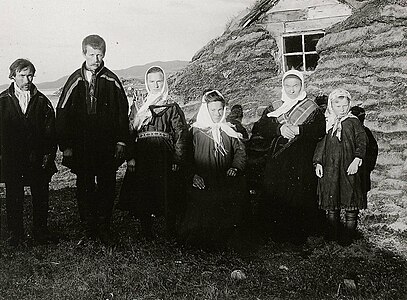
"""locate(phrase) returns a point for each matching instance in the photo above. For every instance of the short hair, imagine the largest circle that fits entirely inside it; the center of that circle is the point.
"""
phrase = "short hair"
(359, 112)
(214, 96)
(20, 64)
(155, 70)
(95, 41)
(237, 108)
(236, 112)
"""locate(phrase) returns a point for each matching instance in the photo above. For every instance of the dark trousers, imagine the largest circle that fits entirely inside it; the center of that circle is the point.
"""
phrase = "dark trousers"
(95, 196)
(14, 204)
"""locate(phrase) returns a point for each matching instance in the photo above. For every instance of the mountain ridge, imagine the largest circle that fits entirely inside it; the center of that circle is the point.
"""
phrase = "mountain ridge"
(136, 71)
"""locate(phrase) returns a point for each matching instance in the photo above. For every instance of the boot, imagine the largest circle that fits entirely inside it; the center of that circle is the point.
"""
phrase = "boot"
(105, 235)
(333, 219)
(146, 227)
(43, 236)
(14, 208)
(351, 222)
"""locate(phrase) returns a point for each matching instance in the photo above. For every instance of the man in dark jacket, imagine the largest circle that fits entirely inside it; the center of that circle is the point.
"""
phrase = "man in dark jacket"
(92, 127)
(27, 149)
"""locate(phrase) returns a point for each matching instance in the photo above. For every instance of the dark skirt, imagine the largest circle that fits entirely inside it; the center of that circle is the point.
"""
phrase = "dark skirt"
(213, 215)
(151, 188)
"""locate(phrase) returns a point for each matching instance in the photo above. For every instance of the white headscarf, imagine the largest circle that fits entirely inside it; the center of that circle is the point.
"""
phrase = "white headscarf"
(332, 120)
(144, 114)
(289, 103)
(205, 122)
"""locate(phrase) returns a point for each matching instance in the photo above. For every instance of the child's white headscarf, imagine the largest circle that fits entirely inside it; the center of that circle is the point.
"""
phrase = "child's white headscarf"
(289, 103)
(144, 115)
(204, 122)
(332, 120)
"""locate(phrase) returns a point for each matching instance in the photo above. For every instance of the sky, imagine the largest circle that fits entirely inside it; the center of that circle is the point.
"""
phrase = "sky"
(50, 32)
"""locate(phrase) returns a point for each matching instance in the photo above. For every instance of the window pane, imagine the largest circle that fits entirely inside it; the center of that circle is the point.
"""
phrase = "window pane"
(311, 41)
(294, 62)
(293, 44)
(311, 61)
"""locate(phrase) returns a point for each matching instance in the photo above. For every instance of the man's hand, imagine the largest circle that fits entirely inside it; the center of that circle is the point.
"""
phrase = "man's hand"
(131, 165)
(174, 167)
(67, 152)
(354, 166)
(119, 153)
(319, 170)
(198, 182)
(287, 132)
(232, 172)
(45, 161)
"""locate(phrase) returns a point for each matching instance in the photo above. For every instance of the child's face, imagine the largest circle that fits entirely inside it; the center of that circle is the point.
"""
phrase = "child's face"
(340, 106)
(216, 109)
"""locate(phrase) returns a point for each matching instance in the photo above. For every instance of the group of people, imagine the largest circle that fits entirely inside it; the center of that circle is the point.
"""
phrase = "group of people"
(204, 179)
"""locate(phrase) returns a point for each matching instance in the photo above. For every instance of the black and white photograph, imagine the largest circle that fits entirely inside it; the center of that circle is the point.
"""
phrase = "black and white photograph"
(219, 149)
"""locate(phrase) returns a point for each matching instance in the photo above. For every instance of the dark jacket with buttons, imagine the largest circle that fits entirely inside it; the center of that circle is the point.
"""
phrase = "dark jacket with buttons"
(26, 138)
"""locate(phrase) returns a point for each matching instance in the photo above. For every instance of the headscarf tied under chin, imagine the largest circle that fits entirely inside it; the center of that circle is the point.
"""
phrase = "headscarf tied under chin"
(144, 115)
(332, 120)
(289, 103)
(205, 123)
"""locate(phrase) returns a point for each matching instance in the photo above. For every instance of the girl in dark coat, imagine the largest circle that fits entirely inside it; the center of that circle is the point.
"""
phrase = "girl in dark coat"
(215, 201)
(153, 181)
(288, 131)
(338, 162)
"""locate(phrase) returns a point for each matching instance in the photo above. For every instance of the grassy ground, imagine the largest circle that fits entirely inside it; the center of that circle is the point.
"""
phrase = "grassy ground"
(160, 269)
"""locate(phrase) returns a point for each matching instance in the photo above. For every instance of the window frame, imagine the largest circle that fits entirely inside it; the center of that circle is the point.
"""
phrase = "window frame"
(303, 53)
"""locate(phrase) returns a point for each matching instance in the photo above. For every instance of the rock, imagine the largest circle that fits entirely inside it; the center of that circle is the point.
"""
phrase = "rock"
(238, 275)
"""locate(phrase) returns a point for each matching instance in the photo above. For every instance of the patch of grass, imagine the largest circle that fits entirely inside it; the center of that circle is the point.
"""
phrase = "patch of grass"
(162, 269)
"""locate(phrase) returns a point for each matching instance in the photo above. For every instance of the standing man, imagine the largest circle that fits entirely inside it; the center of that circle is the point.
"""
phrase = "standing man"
(27, 151)
(93, 128)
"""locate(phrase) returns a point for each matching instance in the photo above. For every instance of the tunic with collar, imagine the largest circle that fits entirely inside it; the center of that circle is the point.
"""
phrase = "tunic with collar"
(92, 137)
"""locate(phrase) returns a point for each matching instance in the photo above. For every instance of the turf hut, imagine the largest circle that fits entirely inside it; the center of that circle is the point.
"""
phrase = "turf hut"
(367, 54)
(247, 61)
(240, 63)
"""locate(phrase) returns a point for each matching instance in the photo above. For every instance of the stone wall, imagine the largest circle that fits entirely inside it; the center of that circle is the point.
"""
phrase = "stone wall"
(240, 64)
(367, 55)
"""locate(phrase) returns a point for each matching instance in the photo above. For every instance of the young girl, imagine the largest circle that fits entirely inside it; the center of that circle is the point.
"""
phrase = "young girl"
(216, 197)
(338, 161)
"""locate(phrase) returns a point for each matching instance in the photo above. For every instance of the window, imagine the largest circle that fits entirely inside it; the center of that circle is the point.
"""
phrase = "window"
(299, 51)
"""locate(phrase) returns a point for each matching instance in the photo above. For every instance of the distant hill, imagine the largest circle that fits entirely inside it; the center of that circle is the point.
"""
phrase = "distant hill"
(131, 72)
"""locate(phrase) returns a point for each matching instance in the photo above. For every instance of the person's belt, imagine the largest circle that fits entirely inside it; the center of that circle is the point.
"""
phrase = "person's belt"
(148, 134)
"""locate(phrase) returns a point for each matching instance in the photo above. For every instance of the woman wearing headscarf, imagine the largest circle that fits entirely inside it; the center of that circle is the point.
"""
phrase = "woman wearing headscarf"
(288, 132)
(339, 162)
(215, 199)
(156, 156)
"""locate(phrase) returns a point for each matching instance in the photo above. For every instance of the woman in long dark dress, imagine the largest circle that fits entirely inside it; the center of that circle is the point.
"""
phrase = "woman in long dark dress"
(291, 129)
(215, 199)
(153, 179)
